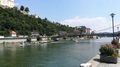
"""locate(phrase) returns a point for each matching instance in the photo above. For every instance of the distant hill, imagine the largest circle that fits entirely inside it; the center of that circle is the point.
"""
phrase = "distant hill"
(14, 19)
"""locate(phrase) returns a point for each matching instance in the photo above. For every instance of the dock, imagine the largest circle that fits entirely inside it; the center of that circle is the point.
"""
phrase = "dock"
(95, 61)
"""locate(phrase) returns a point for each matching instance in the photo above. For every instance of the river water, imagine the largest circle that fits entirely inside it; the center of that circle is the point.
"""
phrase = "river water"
(57, 54)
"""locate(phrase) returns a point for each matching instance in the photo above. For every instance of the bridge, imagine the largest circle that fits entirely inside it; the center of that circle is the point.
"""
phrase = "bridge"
(98, 33)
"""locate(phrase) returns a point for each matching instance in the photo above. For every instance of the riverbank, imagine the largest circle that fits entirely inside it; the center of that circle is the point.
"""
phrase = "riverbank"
(95, 61)
(13, 40)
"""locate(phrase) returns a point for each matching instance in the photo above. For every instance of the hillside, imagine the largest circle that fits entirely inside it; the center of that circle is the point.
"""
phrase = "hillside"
(13, 19)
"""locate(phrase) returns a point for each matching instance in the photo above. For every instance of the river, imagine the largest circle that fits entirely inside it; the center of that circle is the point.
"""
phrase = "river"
(56, 54)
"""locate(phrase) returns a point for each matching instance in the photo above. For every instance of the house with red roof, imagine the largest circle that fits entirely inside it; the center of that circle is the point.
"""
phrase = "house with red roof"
(13, 33)
(36, 16)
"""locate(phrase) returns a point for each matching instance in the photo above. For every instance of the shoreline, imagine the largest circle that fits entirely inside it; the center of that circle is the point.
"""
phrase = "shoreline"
(13, 40)
(95, 60)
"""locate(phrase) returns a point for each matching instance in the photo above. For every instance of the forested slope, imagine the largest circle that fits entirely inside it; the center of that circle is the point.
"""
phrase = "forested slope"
(13, 19)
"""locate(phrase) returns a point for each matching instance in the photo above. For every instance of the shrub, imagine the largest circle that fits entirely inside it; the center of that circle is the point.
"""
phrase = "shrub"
(28, 39)
(39, 38)
(64, 38)
(107, 50)
(115, 42)
(4, 43)
(114, 46)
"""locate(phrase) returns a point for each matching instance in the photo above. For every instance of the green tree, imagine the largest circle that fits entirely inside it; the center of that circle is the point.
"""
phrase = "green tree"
(22, 8)
(28, 39)
(13, 19)
(27, 9)
(92, 32)
(39, 38)
(83, 29)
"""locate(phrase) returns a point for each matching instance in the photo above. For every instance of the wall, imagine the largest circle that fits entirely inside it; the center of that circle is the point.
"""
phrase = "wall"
(14, 39)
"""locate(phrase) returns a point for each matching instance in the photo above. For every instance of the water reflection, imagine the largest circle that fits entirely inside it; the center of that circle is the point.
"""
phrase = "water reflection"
(57, 54)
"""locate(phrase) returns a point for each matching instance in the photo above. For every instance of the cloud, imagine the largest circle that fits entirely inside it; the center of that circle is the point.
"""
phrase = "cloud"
(96, 23)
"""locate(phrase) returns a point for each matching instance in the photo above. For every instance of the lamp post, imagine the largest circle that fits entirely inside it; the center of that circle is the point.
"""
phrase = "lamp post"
(112, 15)
(118, 31)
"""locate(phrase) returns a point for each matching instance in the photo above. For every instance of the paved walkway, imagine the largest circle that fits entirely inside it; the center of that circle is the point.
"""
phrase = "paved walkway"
(96, 63)
(110, 64)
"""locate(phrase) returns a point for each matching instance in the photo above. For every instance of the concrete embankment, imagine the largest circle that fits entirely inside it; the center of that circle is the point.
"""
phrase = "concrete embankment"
(14, 39)
(95, 61)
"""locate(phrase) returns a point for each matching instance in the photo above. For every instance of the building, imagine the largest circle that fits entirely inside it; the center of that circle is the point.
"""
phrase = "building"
(88, 30)
(13, 34)
(7, 3)
(34, 34)
(25, 13)
(36, 16)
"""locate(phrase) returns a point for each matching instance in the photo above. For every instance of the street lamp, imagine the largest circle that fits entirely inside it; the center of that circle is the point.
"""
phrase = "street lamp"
(112, 15)
(118, 31)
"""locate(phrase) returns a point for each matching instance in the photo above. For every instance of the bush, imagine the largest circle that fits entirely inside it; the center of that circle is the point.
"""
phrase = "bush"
(115, 42)
(39, 38)
(28, 39)
(107, 50)
(64, 38)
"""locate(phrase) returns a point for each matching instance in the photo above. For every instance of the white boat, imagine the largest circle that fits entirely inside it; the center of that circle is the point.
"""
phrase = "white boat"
(86, 65)
(43, 41)
(22, 44)
(82, 38)
(75, 40)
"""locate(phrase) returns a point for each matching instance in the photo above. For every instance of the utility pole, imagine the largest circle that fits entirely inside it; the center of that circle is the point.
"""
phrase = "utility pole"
(112, 15)
(118, 31)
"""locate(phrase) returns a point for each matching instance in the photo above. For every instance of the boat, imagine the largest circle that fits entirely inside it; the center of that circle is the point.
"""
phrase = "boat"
(22, 44)
(75, 40)
(43, 41)
(86, 65)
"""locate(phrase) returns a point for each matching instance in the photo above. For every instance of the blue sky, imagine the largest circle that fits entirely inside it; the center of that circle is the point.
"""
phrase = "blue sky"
(94, 14)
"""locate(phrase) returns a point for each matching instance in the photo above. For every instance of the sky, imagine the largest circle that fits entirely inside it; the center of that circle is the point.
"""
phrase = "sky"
(94, 14)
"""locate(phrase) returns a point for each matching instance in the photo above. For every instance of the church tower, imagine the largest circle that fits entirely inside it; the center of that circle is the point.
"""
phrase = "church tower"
(7, 3)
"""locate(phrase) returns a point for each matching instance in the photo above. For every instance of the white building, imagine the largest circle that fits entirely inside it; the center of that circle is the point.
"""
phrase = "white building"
(36, 16)
(7, 3)
(88, 30)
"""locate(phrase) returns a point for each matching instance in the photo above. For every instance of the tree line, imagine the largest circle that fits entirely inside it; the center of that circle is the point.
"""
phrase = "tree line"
(26, 9)
(23, 24)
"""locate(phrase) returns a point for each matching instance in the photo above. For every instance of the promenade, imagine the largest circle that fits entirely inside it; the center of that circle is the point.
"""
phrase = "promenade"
(96, 63)
(14, 39)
